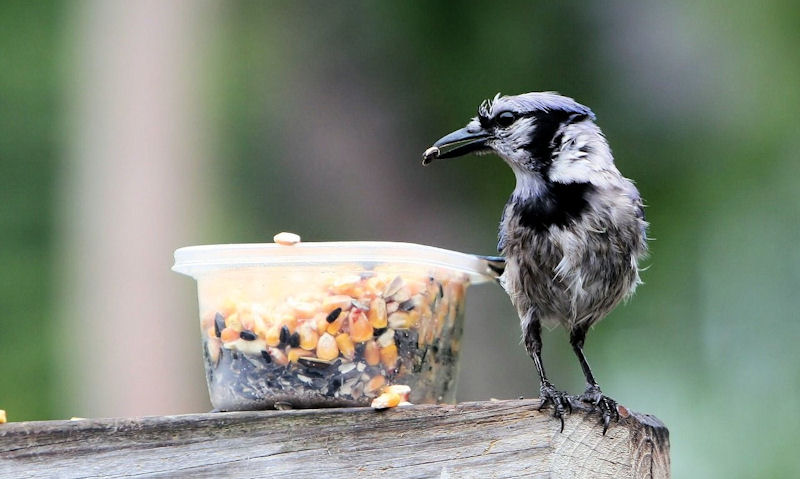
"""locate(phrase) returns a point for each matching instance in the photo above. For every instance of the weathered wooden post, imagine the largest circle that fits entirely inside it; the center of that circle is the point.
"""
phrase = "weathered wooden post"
(492, 439)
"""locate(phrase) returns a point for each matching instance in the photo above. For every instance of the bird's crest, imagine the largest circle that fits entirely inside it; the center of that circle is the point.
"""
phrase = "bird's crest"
(485, 110)
(536, 101)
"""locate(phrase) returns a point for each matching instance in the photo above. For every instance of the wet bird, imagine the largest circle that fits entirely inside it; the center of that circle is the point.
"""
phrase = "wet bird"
(571, 234)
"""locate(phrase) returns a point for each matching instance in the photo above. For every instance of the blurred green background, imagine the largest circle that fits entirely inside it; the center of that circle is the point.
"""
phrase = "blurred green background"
(130, 129)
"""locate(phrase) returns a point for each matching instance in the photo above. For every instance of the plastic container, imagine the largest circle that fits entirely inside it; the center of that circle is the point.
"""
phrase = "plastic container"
(328, 324)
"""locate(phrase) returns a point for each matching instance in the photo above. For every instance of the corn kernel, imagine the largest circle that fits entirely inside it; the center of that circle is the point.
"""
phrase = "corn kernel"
(278, 356)
(346, 346)
(348, 285)
(416, 287)
(336, 326)
(372, 353)
(375, 285)
(228, 306)
(377, 313)
(233, 322)
(336, 301)
(386, 338)
(211, 332)
(297, 353)
(360, 329)
(229, 334)
(304, 309)
(389, 356)
(402, 294)
(3, 418)
(327, 347)
(213, 350)
(374, 384)
(400, 389)
(308, 336)
(321, 322)
(273, 336)
(386, 400)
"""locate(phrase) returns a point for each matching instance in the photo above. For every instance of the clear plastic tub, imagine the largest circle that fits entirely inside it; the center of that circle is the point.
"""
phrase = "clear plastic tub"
(328, 324)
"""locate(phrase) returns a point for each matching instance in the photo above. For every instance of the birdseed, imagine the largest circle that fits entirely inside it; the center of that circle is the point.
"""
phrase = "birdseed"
(318, 350)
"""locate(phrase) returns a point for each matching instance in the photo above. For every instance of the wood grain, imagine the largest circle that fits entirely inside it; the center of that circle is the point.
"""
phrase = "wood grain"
(493, 439)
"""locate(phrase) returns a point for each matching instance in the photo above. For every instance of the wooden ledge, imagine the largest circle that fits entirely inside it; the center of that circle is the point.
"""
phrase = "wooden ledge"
(500, 439)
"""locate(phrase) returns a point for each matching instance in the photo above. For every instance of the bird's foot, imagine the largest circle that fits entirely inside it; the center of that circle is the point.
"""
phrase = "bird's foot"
(559, 399)
(607, 406)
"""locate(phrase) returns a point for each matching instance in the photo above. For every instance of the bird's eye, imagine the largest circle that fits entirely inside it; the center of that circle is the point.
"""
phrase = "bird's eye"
(505, 119)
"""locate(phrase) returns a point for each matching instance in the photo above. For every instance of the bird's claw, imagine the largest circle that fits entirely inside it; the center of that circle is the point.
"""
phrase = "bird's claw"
(607, 406)
(559, 399)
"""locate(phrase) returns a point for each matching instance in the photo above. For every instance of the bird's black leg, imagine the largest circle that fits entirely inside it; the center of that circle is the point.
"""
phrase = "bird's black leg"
(547, 392)
(593, 395)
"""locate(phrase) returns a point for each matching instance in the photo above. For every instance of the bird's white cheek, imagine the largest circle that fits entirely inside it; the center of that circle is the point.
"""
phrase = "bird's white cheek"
(572, 171)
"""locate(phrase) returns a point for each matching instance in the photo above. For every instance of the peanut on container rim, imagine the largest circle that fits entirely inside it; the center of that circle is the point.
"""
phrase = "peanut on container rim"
(286, 239)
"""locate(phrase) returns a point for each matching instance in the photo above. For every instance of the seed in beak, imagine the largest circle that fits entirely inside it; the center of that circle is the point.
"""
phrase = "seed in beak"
(430, 154)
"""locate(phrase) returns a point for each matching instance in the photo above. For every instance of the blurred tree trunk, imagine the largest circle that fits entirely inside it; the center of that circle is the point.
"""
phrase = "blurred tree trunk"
(133, 176)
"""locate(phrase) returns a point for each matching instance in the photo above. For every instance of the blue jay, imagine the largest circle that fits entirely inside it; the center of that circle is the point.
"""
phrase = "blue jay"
(571, 234)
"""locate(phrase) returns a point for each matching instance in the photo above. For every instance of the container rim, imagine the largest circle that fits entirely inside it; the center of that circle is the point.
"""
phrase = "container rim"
(196, 260)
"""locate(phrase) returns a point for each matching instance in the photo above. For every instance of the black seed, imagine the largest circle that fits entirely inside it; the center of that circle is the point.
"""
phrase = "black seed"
(333, 315)
(441, 291)
(219, 324)
(407, 305)
(266, 356)
(379, 331)
(336, 383)
(248, 335)
(360, 347)
(314, 363)
(294, 340)
(284, 337)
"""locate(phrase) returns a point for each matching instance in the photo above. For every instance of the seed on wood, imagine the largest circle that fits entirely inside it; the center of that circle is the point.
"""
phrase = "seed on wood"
(386, 400)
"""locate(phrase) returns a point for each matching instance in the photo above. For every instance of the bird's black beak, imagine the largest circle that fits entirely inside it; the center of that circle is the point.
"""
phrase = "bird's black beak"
(469, 139)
